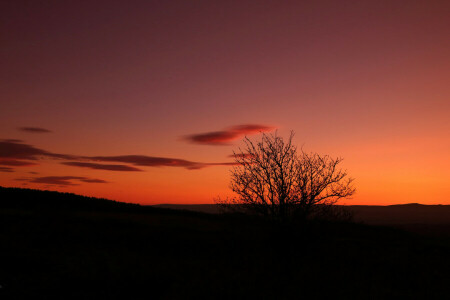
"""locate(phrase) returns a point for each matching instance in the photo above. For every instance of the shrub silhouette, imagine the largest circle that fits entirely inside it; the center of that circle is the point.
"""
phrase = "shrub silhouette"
(275, 180)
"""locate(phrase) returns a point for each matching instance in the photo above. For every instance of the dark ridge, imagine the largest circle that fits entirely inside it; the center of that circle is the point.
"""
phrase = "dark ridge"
(41, 199)
(408, 204)
(32, 199)
(397, 215)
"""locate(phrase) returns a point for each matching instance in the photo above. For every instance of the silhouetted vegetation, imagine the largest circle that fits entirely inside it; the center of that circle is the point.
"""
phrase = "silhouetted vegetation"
(272, 179)
(150, 253)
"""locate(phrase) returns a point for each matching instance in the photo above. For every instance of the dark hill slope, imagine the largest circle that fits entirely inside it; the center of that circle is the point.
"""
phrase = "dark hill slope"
(37, 199)
(125, 254)
(30, 199)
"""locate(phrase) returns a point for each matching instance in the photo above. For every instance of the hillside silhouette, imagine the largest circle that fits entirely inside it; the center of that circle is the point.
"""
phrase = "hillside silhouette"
(38, 199)
(42, 200)
(63, 246)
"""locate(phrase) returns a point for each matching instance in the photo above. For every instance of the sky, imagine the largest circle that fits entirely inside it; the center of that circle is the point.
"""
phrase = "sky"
(145, 101)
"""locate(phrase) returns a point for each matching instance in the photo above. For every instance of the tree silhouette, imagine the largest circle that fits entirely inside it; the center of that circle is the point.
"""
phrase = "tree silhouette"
(271, 178)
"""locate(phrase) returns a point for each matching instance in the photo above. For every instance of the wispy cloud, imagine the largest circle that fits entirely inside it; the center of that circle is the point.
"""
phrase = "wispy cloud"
(101, 166)
(89, 180)
(34, 129)
(6, 169)
(16, 163)
(18, 150)
(61, 180)
(149, 161)
(224, 137)
(18, 153)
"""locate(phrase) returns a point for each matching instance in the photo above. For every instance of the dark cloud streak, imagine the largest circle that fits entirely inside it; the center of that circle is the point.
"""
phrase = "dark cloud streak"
(149, 161)
(16, 163)
(13, 149)
(61, 180)
(6, 169)
(95, 166)
(34, 129)
(17, 153)
(224, 137)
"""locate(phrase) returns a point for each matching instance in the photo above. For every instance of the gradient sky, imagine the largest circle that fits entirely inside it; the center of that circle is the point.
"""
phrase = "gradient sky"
(144, 101)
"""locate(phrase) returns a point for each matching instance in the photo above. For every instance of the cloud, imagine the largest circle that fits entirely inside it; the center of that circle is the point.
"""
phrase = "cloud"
(61, 180)
(18, 153)
(93, 180)
(17, 163)
(17, 150)
(224, 137)
(34, 129)
(101, 166)
(149, 161)
(6, 169)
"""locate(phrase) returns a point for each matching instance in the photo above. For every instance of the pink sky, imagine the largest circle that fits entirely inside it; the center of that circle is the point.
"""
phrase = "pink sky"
(144, 101)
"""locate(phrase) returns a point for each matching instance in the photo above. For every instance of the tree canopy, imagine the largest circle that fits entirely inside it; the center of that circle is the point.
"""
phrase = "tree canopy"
(274, 179)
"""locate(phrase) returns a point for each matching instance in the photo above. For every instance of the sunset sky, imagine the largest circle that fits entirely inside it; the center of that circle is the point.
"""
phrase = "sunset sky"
(145, 101)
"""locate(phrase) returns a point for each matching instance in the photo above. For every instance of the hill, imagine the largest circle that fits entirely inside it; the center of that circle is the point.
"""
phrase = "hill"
(73, 253)
(41, 200)
(38, 199)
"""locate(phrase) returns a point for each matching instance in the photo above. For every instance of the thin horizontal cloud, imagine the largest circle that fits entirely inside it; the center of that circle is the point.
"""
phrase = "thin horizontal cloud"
(241, 155)
(13, 149)
(149, 161)
(17, 163)
(61, 180)
(34, 129)
(6, 169)
(93, 180)
(224, 137)
(95, 166)
(18, 153)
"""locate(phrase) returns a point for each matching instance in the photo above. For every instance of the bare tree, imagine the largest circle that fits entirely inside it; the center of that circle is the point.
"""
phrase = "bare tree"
(320, 183)
(273, 179)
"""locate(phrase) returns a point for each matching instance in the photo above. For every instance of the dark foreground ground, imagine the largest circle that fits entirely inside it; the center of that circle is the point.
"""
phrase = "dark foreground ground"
(423, 219)
(66, 247)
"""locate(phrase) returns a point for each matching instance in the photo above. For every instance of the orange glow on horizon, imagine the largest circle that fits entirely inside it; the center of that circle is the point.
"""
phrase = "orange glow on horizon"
(146, 103)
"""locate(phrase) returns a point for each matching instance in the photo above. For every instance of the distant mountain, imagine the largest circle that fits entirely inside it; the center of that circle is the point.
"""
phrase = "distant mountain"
(399, 214)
